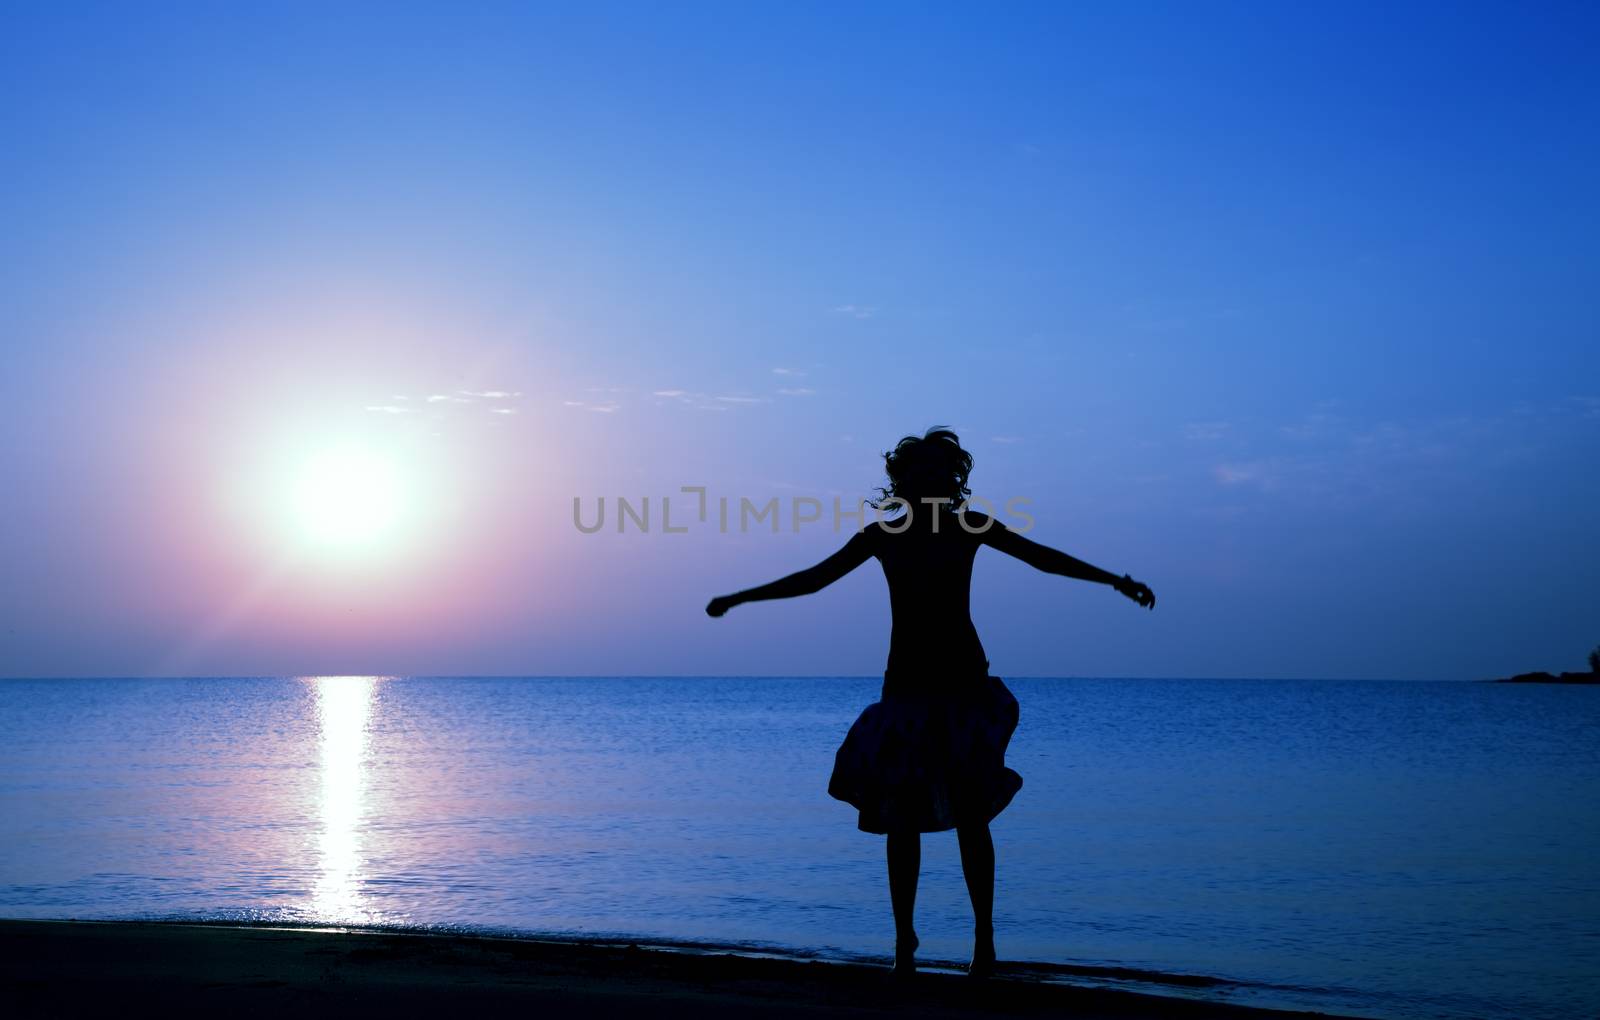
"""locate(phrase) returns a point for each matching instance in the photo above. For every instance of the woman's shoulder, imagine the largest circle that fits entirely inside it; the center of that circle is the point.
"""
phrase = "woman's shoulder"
(868, 535)
(974, 522)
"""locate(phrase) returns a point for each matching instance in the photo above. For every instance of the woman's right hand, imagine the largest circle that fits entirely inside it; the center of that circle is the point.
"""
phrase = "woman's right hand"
(719, 605)
(1136, 590)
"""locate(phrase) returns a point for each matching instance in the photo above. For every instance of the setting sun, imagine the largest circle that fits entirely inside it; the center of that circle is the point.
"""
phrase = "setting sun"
(348, 498)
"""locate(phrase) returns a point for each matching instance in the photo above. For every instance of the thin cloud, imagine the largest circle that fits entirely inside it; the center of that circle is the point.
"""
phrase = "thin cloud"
(1005, 440)
(688, 397)
(1206, 431)
(796, 372)
(438, 403)
(857, 311)
(709, 402)
(797, 391)
(605, 401)
(1331, 458)
(1316, 425)
(1236, 474)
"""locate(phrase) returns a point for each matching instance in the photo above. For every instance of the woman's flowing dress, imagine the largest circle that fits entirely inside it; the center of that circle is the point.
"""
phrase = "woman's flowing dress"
(929, 760)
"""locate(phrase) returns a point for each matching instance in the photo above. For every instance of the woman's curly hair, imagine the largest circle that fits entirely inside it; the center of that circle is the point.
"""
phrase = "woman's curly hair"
(930, 466)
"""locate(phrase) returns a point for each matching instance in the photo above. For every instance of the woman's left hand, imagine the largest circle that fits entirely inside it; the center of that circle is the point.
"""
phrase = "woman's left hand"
(719, 605)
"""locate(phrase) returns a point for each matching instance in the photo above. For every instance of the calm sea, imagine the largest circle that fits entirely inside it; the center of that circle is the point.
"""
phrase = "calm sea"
(1398, 850)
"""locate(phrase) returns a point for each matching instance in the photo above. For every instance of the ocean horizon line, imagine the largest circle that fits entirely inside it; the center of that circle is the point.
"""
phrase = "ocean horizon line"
(721, 676)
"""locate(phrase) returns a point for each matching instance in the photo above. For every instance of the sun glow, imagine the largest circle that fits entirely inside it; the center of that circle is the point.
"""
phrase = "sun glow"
(349, 498)
(344, 497)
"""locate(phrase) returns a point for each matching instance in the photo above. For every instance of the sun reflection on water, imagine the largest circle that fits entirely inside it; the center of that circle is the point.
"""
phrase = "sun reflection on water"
(344, 707)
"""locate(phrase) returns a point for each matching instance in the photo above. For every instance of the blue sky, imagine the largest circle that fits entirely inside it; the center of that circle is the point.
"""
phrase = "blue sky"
(1285, 309)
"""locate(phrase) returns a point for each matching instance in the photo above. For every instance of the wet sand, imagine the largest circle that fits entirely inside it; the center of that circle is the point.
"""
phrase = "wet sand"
(82, 968)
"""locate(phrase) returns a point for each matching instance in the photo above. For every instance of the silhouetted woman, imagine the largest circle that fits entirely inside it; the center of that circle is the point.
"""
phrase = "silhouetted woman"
(930, 755)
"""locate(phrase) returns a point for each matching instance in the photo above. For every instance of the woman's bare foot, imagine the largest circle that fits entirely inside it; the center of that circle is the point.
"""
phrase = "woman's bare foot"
(982, 964)
(905, 956)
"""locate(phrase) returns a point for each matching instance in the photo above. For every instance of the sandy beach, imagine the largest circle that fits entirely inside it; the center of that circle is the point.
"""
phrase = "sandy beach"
(73, 968)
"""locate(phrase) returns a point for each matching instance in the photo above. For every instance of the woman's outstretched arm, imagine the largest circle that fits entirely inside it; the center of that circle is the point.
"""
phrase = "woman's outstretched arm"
(1054, 561)
(803, 582)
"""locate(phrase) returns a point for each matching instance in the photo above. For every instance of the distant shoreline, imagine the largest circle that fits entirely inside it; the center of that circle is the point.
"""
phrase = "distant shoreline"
(1550, 678)
(83, 968)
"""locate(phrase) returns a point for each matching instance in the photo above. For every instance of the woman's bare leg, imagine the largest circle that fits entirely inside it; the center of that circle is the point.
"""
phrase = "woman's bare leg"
(977, 865)
(905, 861)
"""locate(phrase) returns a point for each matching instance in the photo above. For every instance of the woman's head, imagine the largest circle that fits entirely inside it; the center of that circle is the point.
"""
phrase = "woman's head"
(930, 466)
